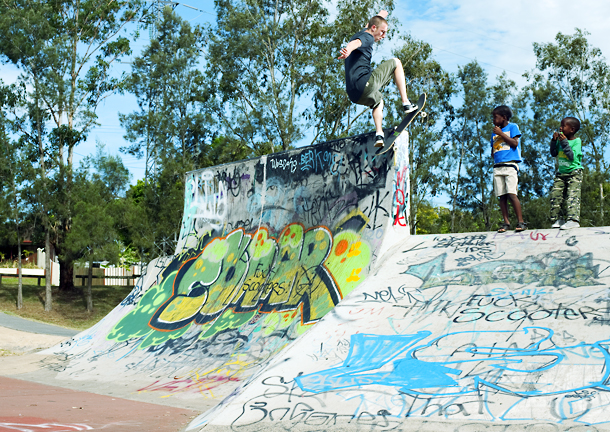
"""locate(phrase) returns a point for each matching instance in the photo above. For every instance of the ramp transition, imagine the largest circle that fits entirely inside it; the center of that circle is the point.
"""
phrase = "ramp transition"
(296, 300)
(267, 247)
(467, 332)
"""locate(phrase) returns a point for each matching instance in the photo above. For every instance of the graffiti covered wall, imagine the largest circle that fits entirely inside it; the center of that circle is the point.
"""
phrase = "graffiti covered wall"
(466, 332)
(267, 248)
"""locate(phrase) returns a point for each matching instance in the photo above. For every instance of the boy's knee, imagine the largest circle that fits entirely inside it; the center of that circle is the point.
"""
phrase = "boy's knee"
(378, 105)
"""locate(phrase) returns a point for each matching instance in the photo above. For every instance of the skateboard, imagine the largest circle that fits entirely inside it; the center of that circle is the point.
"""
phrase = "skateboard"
(389, 142)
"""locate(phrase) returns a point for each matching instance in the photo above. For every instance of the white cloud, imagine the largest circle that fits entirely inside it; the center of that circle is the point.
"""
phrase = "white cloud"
(500, 34)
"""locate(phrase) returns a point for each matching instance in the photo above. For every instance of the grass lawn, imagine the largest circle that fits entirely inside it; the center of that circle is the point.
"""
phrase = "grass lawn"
(69, 308)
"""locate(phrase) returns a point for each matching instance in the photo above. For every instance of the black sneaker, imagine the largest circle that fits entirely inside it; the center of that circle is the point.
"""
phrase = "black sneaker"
(409, 108)
(379, 141)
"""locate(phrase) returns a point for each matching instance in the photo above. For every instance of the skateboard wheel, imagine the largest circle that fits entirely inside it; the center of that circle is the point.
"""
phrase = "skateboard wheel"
(423, 114)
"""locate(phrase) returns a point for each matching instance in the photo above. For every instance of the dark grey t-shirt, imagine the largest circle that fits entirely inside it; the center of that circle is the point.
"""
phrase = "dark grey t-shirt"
(358, 66)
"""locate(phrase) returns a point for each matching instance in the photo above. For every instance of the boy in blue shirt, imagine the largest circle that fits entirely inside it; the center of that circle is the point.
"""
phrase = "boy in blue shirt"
(506, 153)
(568, 180)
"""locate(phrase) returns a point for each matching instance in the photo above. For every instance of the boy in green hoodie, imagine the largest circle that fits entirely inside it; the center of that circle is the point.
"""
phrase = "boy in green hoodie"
(568, 180)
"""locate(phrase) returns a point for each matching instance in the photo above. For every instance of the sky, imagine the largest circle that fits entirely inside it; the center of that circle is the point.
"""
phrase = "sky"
(498, 34)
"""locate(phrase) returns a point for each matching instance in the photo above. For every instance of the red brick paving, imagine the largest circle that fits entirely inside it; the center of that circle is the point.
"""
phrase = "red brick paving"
(28, 406)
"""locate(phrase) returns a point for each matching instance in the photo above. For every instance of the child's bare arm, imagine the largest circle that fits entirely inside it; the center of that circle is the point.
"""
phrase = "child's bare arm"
(513, 142)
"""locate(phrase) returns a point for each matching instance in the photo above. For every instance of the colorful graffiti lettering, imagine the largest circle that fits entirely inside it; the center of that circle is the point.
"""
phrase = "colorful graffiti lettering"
(225, 280)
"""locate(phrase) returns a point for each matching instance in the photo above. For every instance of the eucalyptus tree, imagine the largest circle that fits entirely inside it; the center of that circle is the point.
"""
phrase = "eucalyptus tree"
(468, 166)
(572, 78)
(171, 129)
(166, 80)
(427, 152)
(101, 183)
(65, 51)
(273, 72)
(13, 169)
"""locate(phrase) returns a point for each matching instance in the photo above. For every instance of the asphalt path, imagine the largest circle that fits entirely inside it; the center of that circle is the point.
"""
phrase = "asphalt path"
(25, 325)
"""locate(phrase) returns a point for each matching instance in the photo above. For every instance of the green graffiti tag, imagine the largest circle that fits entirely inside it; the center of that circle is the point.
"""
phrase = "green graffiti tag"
(558, 269)
(225, 281)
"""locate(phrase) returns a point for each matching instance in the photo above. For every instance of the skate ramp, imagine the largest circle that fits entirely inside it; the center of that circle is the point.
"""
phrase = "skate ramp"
(267, 247)
(466, 332)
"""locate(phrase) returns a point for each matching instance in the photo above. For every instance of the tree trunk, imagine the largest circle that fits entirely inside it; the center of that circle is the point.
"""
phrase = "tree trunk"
(47, 267)
(89, 283)
(601, 202)
(19, 270)
(457, 188)
(66, 275)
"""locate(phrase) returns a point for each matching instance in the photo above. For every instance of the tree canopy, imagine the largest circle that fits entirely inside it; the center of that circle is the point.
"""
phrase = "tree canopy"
(263, 77)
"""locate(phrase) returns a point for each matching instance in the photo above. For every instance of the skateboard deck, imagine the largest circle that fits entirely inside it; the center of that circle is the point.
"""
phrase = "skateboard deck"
(389, 142)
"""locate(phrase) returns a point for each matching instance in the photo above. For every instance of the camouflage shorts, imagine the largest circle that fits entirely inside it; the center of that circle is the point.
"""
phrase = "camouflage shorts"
(565, 196)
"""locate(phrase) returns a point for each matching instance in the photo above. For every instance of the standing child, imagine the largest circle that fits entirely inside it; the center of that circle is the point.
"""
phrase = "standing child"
(568, 180)
(506, 152)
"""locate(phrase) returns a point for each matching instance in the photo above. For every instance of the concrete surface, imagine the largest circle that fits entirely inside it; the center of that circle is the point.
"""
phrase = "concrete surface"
(267, 247)
(465, 332)
(297, 300)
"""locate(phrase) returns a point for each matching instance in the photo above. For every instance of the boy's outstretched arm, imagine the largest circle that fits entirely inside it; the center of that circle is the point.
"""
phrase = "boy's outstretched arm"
(345, 52)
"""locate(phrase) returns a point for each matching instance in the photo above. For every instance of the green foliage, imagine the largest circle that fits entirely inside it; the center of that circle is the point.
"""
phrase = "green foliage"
(595, 203)
(579, 78)
(151, 213)
(572, 79)
(438, 220)
(426, 151)
(65, 50)
(266, 61)
(99, 183)
(171, 121)
(469, 152)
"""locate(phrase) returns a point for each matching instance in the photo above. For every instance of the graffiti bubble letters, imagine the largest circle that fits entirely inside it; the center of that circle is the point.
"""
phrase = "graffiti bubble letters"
(225, 280)
(238, 270)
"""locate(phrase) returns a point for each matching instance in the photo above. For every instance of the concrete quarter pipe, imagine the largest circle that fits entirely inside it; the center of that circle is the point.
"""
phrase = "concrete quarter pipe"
(467, 332)
(296, 300)
(267, 247)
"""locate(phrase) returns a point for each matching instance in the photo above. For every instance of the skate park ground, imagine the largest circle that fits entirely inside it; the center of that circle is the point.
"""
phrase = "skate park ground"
(297, 301)
(30, 406)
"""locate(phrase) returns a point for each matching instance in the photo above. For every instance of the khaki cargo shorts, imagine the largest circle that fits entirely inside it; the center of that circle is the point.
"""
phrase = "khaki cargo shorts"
(381, 77)
(506, 180)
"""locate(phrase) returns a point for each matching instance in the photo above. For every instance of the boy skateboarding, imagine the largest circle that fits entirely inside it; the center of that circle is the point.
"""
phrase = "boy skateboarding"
(362, 83)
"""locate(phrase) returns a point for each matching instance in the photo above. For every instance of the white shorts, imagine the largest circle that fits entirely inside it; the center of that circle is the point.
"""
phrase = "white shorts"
(505, 181)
